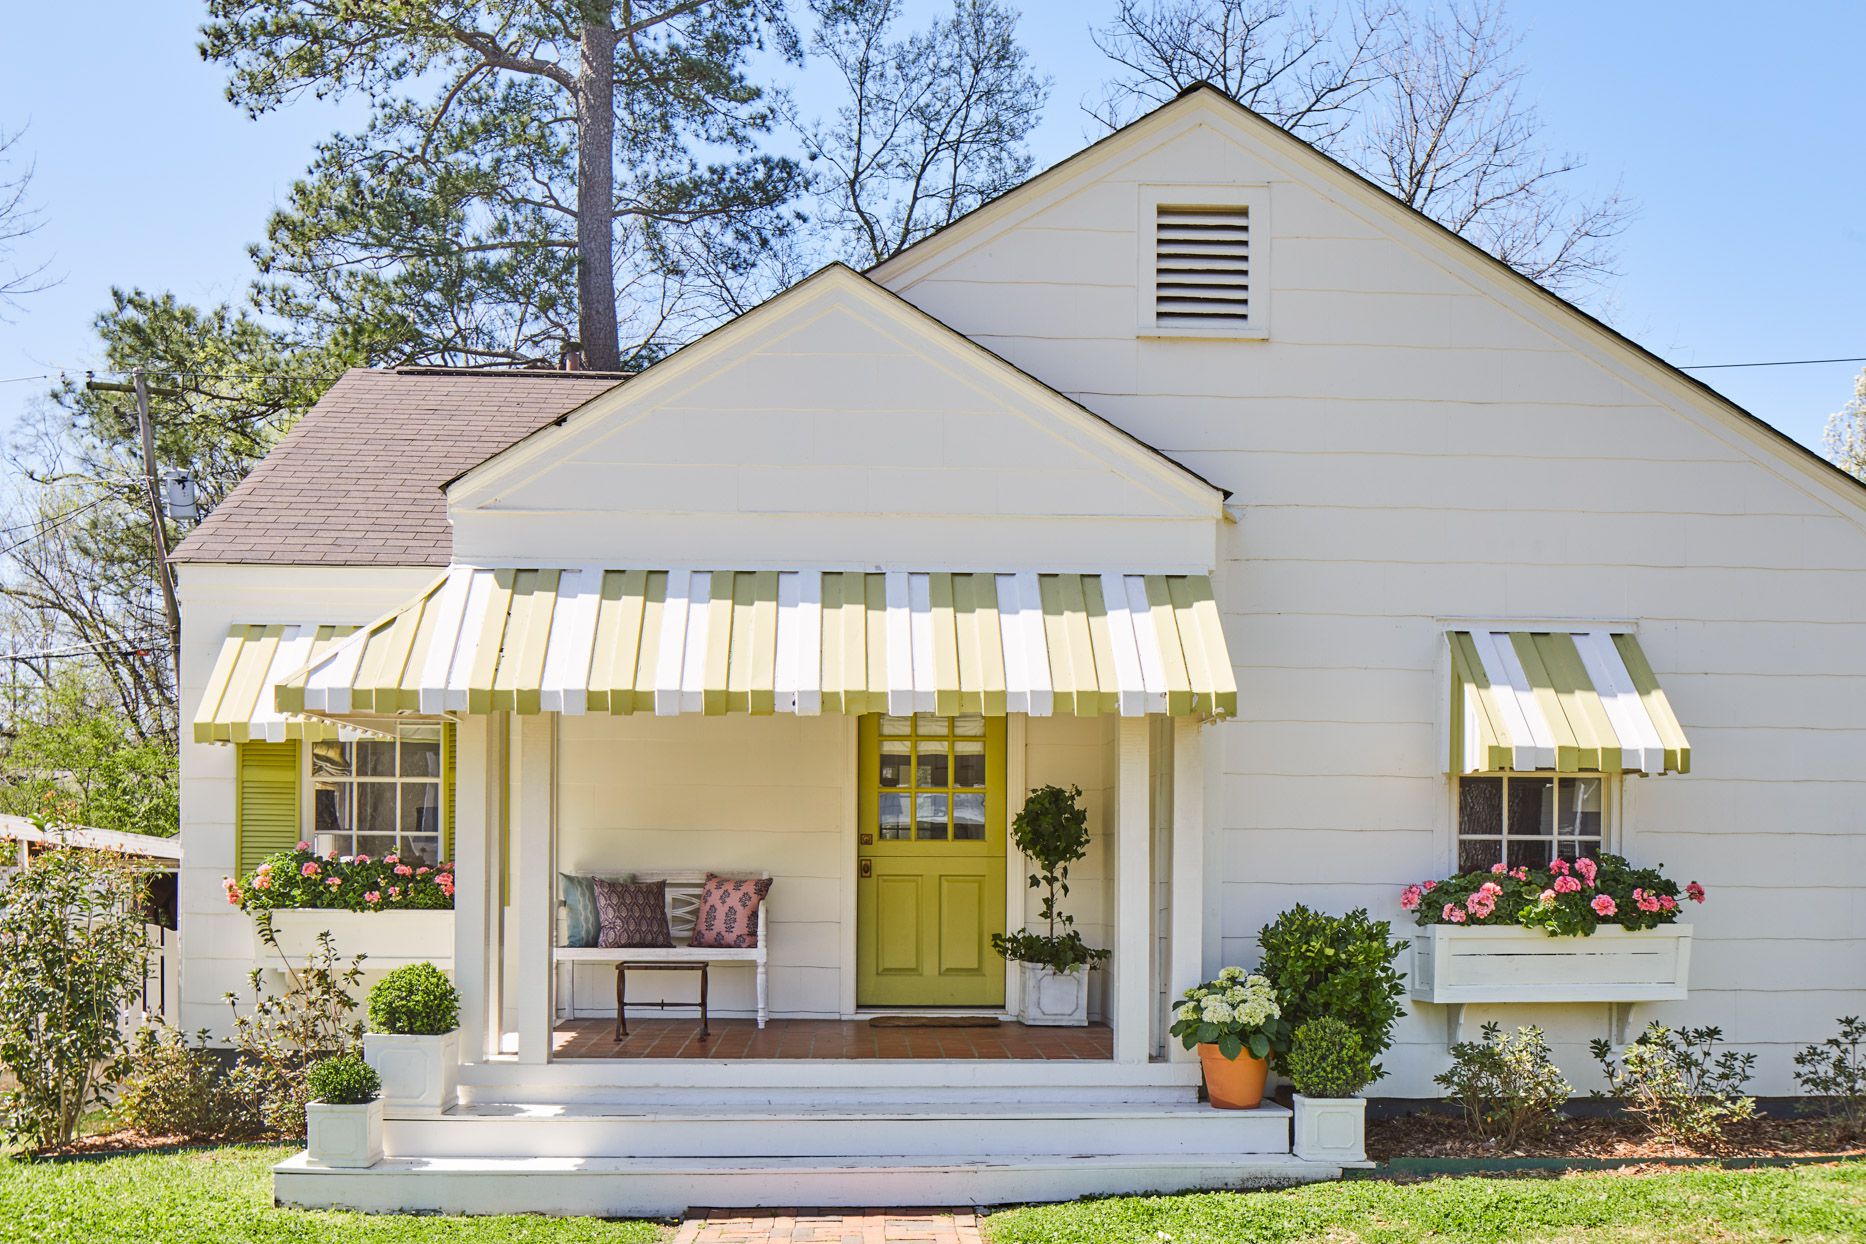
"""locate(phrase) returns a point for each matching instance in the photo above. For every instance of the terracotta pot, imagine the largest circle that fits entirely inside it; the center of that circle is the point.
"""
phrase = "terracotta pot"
(1233, 1083)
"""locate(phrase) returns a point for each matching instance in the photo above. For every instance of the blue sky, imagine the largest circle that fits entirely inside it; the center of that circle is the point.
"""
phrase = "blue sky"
(1740, 139)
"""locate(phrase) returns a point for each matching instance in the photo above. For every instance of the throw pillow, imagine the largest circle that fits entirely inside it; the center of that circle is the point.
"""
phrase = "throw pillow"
(729, 911)
(631, 913)
(580, 924)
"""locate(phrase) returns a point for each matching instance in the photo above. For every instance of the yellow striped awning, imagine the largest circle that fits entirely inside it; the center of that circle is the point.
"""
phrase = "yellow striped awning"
(1567, 701)
(239, 705)
(766, 641)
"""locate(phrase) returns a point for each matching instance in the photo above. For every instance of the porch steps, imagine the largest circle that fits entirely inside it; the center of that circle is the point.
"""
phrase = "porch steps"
(661, 1187)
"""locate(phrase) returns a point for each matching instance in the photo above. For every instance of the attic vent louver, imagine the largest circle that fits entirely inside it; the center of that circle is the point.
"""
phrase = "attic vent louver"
(1201, 266)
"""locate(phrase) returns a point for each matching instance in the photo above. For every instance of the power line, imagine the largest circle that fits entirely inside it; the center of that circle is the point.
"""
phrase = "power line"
(1769, 363)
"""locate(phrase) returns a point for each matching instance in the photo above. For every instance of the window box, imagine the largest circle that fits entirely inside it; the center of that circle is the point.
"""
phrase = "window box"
(1454, 965)
(389, 938)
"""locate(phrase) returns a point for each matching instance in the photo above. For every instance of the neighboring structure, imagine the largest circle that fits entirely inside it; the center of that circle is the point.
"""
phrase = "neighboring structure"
(1199, 473)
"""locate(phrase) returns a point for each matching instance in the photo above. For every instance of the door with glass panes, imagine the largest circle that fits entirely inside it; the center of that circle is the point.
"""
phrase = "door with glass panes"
(930, 861)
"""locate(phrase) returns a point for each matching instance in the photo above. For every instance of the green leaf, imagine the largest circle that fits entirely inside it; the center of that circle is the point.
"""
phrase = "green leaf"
(1230, 1046)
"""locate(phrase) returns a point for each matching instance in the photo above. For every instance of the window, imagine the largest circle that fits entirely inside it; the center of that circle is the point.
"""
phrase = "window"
(931, 779)
(378, 795)
(1529, 819)
(1201, 270)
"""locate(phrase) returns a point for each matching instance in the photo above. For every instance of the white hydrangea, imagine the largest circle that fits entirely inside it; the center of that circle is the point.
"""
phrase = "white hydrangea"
(1189, 1011)
(1231, 974)
(1215, 1010)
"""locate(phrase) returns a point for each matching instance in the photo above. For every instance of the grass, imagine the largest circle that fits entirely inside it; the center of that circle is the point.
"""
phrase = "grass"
(224, 1196)
(1811, 1203)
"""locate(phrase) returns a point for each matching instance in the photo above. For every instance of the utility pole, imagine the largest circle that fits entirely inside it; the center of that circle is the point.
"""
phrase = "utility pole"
(139, 385)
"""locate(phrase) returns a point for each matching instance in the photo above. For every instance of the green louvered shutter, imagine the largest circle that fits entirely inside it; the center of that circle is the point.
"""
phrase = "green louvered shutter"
(267, 818)
(449, 749)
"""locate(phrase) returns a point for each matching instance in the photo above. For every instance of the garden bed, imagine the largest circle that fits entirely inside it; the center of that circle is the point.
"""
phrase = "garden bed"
(1437, 1135)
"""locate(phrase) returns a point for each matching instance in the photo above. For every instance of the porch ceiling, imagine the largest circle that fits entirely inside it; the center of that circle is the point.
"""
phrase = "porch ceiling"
(761, 642)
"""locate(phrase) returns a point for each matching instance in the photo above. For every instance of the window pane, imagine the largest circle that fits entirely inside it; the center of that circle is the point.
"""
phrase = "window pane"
(970, 726)
(1480, 805)
(331, 809)
(894, 764)
(968, 818)
(1532, 807)
(1476, 855)
(330, 758)
(421, 758)
(375, 808)
(375, 757)
(930, 765)
(893, 818)
(1580, 807)
(1532, 852)
(418, 851)
(932, 726)
(375, 846)
(897, 727)
(421, 808)
(332, 844)
(968, 764)
(930, 816)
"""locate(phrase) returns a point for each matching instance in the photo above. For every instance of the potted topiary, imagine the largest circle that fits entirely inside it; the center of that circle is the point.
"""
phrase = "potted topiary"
(343, 1119)
(1327, 1065)
(413, 1040)
(1236, 1024)
(1052, 832)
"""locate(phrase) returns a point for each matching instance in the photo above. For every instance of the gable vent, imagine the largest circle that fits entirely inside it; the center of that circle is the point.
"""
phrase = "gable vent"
(1201, 266)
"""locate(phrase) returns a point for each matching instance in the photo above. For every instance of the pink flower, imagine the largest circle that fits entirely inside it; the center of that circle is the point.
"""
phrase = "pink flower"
(1491, 888)
(423, 871)
(1587, 868)
(391, 858)
(1429, 886)
(1548, 898)
(1667, 903)
(1410, 896)
(1604, 905)
(308, 869)
(1453, 913)
(361, 859)
(1567, 885)
(1559, 866)
(1645, 900)
(1694, 892)
(332, 882)
(1499, 867)
(1520, 872)
(1480, 904)
(372, 897)
(262, 880)
(304, 846)
(232, 889)
(403, 870)
(395, 891)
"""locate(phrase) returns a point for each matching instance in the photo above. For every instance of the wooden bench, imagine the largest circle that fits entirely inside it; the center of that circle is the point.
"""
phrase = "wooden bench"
(683, 908)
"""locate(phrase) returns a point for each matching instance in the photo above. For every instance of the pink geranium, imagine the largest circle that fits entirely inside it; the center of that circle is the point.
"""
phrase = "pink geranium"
(1454, 913)
(1645, 900)
(403, 870)
(1548, 898)
(1587, 868)
(1668, 903)
(309, 869)
(262, 880)
(1410, 896)
(1429, 886)
(1558, 866)
(1520, 872)
(233, 890)
(1481, 904)
(372, 897)
(304, 846)
(1604, 905)
(1694, 892)
(1567, 885)
(332, 882)
(1499, 867)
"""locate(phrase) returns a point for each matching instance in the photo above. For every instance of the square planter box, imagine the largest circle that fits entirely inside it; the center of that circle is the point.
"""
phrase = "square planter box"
(344, 1137)
(389, 938)
(1053, 999)
(419, 1073)
(1330, 1129)
(1452, 965)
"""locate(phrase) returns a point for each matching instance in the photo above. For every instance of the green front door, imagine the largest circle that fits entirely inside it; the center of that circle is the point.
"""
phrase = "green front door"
(930, 862)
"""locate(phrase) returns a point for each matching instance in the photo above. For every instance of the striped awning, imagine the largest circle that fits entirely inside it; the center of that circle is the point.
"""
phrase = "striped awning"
(804, 642)
(1567, 701)
(239, 705)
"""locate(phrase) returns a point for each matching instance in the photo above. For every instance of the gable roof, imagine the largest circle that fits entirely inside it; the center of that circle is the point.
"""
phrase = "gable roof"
(1840, 484)
(358, 480)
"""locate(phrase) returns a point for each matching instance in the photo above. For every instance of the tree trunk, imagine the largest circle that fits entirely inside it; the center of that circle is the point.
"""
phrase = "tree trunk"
(596, 136)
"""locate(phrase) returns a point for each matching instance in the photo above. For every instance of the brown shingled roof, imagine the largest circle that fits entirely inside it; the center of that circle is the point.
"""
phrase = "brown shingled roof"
(358, 481)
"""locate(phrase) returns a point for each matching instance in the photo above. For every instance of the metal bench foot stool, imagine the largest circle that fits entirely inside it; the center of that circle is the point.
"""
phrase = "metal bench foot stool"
(656, 966)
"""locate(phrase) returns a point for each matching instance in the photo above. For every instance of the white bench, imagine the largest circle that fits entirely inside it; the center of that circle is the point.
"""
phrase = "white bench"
(683, 909)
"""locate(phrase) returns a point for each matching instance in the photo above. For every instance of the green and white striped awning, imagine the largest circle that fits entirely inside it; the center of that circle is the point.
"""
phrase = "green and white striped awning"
(1566, 701)
(239, 705)
(767, 641)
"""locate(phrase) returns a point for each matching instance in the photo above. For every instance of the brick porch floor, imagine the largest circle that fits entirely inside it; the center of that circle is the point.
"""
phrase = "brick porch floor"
(825, 1038)
(828, 1226)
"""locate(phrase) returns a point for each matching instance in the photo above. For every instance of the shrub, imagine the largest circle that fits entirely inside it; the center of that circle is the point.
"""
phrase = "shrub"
(1679, 1083)
(284, 1032)
(1563, 900)
(1326, 1059)
(303, 878)
(345, 1080)
(1835, 1072)
(177, 1089)
(1507, 1086)
(72, 955)
(416, 999)
(1052, 832)
(1336, 966)
(1235, 1013)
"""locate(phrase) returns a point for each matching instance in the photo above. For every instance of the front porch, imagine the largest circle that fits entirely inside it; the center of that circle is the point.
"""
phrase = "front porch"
(827, 1039)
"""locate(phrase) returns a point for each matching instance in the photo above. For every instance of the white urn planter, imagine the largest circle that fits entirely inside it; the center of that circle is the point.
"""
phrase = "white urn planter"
(419, 1073)
(389, 938)
(344, 1137)
(1053, 999)
(1330, 1129)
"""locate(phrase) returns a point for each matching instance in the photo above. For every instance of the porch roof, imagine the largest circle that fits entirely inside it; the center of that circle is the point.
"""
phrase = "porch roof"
(238, 706)
(532, 640)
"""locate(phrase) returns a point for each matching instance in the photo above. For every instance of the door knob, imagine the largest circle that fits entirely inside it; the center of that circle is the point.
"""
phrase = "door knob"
(868, 868)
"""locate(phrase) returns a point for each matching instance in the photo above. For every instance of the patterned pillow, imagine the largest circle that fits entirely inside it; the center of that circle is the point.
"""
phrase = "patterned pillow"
(729, 911)
(580, 923)
(631, 913)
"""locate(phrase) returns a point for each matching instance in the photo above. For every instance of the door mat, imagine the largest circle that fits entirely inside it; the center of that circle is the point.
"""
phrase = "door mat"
(933, 1021)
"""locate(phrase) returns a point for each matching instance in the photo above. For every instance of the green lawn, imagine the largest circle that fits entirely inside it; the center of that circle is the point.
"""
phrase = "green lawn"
(1803, 1203)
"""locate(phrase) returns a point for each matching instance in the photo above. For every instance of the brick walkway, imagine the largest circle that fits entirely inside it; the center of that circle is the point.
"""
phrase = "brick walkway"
(828, 1226)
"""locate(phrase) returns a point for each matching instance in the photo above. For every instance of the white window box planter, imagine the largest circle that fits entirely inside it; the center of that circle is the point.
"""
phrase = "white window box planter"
(419, 1073)
(389, 938)
(344, 1137)
(1330, 1129)
(1053, 999)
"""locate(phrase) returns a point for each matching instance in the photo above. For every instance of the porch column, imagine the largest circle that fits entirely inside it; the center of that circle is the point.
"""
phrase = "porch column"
(533, 864)
(1186, 926)
(474, 898)
(1132, 978)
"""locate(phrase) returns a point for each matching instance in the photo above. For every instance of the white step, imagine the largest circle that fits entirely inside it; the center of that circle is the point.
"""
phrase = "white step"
(660, 1187)
(837, 1131)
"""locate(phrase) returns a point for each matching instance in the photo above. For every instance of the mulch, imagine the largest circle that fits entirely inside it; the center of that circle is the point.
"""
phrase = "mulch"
(1439, 1135)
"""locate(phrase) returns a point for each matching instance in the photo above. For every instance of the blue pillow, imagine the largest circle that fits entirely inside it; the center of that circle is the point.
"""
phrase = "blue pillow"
(580, 908)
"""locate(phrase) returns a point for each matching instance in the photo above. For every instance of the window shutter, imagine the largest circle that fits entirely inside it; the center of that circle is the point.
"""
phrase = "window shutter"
(1201, 267)
(267, 802)
(449, 755)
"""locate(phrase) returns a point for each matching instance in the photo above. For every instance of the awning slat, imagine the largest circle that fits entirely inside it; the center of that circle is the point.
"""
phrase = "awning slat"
(1563, 701)
(241, 702)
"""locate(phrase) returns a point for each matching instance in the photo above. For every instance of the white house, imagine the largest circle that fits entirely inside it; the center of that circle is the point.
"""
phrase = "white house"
(1231, 544)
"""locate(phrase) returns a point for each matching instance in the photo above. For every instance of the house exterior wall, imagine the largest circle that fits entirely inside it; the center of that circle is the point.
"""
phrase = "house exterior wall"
(1420, 440)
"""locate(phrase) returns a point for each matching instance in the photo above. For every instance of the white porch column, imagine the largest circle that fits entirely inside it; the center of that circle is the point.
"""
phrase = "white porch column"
(474, 878)
(1186, 927)
(534, 835)
(1133, 993)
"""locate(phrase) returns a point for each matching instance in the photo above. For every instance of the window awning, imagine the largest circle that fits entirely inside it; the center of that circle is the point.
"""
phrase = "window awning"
(1572, 702)
(239, 705)
(804, 642)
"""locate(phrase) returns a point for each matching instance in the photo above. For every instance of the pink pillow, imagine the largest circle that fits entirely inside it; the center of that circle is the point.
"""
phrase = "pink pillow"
(728, 915)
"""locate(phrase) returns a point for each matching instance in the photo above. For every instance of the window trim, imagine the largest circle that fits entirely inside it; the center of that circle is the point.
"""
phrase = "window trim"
(1613, 793)
(307, 786)
(1255, 198)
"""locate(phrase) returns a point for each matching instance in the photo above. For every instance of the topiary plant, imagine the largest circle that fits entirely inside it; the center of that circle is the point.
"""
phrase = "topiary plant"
(414, 1000)
(1327, 1059)
(1339, 966)
(345, 1080)
(1052, 831)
